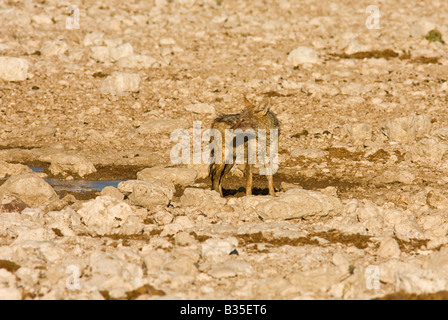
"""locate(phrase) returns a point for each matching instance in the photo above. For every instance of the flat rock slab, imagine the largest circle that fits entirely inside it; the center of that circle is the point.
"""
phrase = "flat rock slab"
(298, 203)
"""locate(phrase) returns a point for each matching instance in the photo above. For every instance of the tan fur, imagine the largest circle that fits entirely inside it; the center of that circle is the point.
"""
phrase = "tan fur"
(251, 117)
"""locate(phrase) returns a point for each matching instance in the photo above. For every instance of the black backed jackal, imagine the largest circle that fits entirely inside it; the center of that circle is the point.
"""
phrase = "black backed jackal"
(261, 128)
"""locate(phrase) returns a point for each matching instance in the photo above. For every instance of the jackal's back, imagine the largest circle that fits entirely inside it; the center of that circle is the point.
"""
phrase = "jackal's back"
(231, 121)
(226, 121)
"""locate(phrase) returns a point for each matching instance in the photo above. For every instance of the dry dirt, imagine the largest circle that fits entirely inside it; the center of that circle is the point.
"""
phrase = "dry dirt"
(224, 50)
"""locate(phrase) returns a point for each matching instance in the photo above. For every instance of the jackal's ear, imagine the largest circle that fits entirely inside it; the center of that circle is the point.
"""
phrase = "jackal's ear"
(264, 106)
(247, 103)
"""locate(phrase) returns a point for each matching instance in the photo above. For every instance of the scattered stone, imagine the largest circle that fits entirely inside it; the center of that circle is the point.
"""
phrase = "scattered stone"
(302, 55)
(354, 47)
(166, 51)
(216, 250)
(298, 203)
(113, 193)
(170, 230)
(10, 294)
(126, 187)
(70, 164)
(167, 42)
(153, 259)
(444, 87)
(319, 278)
(357, 132)
(179, 176)
(163, 217)
(42, 19)
(244, 208)
(100, 53)
(441, 133)
(293, 85)
(121, 51)
(184, 239)
(340, 259)
(434, 226)
(220, 272)
(184, 221)
(310, 88)
(113, 43)
(120, 82)
(133, 225)
(93, 39)
(438, 260)
(419, 281)
(407, 129)
(389, 248)
(408, 229)
(8, 286)
(201, 169)
(330, 191)
(231, 268)
(208, 201)
(436, 200)
(44, 131)
(393, 216)
(54, 48)
(104, 215)
(11, 203)
(397, 175)
(427, 151)
(426, 55)
(13, 69)
(112, 274)
(10, 169)
(29, 188)
(353, 100)
(182, 265)
(138, 62)
(151, 193)
(367, 212)
(420, 28)
(285, 186)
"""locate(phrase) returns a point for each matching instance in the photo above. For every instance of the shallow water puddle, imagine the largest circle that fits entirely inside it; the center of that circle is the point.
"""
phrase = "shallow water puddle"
(83, 186)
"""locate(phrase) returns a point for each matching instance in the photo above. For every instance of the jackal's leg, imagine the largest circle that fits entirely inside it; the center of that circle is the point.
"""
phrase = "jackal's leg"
(216, 173)
(249, 173)
(270, 178)
(226, 170)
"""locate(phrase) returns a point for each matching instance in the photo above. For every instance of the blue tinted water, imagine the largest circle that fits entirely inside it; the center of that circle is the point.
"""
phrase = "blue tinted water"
(78, 185)
(81, 185)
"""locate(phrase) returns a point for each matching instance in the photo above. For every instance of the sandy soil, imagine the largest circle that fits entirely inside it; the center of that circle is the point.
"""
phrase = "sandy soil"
(215, 52)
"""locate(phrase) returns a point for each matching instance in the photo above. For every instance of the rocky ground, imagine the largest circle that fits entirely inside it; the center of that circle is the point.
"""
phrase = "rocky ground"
(361, 209)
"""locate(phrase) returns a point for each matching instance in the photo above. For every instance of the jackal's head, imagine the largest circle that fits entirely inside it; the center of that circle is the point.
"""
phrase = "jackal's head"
(252, 116)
